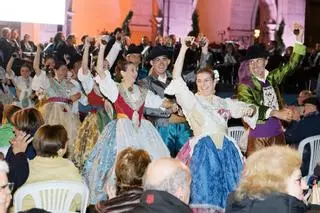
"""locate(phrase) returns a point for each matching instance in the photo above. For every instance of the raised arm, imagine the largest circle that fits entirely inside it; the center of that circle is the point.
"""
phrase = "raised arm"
(299, 52)
(9, 67)
(36, 61)
(205, 55)
(178, 65)
(85, 69)
(114, 52)
(107, 86)
(99, 68)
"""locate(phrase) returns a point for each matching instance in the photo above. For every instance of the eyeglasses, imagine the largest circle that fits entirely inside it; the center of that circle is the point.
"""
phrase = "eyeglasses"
(9, 185)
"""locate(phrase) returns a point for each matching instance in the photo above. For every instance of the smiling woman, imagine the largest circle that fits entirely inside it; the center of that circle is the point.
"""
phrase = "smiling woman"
(130, 129)
(212, 156)
(206, 82)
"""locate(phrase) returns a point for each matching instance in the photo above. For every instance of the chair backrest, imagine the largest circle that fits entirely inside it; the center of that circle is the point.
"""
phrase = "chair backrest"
(53, 196)
(236, 132)
(314, 142)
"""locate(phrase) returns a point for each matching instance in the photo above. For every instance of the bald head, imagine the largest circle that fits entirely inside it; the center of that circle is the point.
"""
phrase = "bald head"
(170, 175)
(161, 169)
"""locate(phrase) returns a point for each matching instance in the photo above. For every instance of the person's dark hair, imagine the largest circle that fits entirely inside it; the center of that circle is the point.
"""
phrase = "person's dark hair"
(274, 43)
(49, 56)
(27, 120)
(58, 37)
(118, 29)
(122, 65)
(83, 38)
(27, 66)
(8, 111)
(71, 36)
(206, 70)
(35, 210)
(130, 168)
(193, 34)
(49, 139)
(60, 64)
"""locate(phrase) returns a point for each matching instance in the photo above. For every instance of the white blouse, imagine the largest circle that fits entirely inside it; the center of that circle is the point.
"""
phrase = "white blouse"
(208, 115)
(109, 88)
(24, 85)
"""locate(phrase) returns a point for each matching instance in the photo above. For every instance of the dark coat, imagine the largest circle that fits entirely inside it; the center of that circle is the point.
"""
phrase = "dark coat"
(24, 48)
(275, 203)
(18, 169)
(298, 130)
(6, 49)
(123, 202)
(160, 202)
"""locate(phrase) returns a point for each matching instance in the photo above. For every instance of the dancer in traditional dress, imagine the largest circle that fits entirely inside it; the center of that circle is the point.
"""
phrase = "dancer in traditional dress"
(59, 95)
(130, 129)
(101, 109)
(172, 126)
(258, 86)
(214, 158)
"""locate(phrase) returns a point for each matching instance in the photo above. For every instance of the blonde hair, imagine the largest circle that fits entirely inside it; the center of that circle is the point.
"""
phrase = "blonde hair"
(130, 167)
(266, 171)
(8, 111)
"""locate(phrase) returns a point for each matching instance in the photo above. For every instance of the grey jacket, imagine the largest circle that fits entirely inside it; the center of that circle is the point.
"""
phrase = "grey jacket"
(156, 116)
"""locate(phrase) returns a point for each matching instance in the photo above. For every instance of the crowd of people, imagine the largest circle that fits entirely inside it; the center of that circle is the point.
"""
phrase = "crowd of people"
(141, 124)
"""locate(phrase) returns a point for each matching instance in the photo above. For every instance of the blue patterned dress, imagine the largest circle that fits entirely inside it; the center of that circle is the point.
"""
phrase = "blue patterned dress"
(130, 129)
(214, 159)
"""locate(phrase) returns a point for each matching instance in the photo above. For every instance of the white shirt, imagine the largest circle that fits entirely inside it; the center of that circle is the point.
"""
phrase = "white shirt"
(110, 89)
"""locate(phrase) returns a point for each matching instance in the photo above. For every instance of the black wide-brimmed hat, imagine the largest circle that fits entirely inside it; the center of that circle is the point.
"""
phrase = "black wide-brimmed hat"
(159, 51)
(134, 49)
(256, 51)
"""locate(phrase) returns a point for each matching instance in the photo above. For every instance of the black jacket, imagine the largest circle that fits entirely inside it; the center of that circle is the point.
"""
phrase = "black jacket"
(275, 203)
(160, 202)
(6, 49)
(121, 203)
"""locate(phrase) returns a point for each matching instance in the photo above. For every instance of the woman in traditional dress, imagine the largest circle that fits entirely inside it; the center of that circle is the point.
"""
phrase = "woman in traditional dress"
(58, 95)
(101, 112)
(130, 129)
(214, 158)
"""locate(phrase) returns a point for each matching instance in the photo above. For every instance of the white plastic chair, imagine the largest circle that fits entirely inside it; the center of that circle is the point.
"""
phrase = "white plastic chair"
(314, 142)
(236, 132)
(53, 196)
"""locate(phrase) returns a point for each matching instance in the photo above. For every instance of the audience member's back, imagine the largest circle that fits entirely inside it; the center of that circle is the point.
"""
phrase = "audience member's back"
(130, 168)
(271, 182)
(167, 188)
(50, 143)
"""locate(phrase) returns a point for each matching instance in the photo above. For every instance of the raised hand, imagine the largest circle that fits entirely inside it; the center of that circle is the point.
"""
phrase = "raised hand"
(20, 142)
(88, 41)
(298, 30)
(187, 42)
(284, 114)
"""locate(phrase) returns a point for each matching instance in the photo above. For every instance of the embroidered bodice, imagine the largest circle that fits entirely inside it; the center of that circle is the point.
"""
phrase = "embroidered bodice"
(128, 103)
